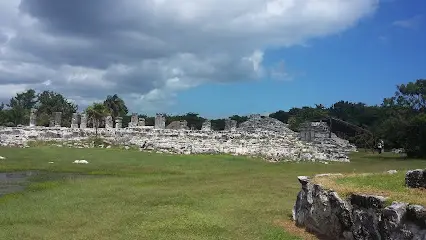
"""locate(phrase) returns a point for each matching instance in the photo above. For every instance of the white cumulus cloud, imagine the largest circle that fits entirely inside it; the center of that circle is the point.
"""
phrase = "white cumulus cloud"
(148, 51)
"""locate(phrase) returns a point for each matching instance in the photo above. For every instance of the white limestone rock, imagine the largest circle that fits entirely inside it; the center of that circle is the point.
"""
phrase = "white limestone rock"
(274, 143)
(81, 162)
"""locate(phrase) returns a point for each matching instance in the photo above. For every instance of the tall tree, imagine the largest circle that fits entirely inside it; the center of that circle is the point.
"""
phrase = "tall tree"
(20, 106)
(405, 124)
(96, 113)
(116, 106)
(283, 116)
(25, 100)
(50, 102)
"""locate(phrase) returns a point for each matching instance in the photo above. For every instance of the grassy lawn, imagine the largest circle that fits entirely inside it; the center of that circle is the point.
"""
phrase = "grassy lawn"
(132, 195)
(383, 184)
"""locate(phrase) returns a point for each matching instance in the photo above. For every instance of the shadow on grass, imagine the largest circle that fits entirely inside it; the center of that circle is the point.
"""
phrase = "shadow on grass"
(381, 157)
(15, 182)
(291, 227)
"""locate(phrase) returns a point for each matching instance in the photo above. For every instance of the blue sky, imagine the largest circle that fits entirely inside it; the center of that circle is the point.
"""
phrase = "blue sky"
(213, 57)
(361, 64)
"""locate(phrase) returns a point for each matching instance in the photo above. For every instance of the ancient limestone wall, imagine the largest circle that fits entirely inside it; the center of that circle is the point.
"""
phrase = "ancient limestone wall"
(326, 214)
(273, 146)
(177, 125)
(319, 132)
(259, 136)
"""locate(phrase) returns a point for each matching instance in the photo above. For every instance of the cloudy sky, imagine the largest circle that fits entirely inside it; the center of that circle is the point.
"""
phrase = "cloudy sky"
(214, 57)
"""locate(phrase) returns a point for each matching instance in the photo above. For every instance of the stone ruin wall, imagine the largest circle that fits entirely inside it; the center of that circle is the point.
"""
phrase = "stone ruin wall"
(262, 137)
(324, 213)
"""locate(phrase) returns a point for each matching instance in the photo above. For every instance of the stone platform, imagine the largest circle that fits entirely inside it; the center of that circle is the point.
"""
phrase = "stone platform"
(273, 143)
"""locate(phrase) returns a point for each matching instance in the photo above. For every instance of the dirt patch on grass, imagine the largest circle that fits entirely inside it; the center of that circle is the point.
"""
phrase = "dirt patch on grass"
(291, 228)
(11, 182)
(14, 182)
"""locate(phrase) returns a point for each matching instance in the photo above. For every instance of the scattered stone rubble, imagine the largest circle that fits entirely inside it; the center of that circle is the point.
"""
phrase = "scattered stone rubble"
(416, 178)
(178, 125)
(81, 162)
(263, 137)
(319, 133)
(207, 126)
(324, 213)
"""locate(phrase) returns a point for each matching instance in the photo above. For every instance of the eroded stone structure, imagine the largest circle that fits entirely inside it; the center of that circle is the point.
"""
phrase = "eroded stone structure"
(178, 125)
(109, 122)
(141, 122)
(74, 120)
(326, 214)
(57, 119)
(207, 126)
(230, 125)
(265, 137)
(160, 121)
(255, 116)
(33, 117)
(319, 132)
(83, 120)
(309, 131)
(134, 120)
(52, 121)
(119, 122)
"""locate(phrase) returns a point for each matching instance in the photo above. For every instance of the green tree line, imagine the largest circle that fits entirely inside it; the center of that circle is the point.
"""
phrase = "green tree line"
(400, 120)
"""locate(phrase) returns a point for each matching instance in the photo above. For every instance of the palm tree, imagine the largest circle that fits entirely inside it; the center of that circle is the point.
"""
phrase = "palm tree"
(115, 106)
(96, 113)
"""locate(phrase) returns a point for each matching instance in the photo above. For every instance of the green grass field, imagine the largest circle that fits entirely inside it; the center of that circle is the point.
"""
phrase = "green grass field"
(132, 195)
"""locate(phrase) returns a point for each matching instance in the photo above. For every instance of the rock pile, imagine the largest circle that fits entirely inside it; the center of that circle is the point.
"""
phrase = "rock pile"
(178, 125)
(416, 178)
(263, 137)
(324, 213)
(256, 124)
(319, 133)
(273, 146)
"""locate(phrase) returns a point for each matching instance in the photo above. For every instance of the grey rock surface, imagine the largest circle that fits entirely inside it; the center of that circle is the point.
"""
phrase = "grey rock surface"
(272, 146)
(416, 178)
(178, 125)
(324, 213)
(33, 117)
(207, 126)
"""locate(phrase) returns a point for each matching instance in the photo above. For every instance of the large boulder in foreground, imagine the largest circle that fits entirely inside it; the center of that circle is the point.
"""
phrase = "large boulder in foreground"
(327, 215)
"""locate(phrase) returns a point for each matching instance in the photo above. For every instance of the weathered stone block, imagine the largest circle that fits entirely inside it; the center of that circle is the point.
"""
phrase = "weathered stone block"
(207, 126)
(416, 178)
(83, 121)
(33, 117)
(58, 119)
(230, 125)
(133, 120)
(324, 213)
(74, 120)
(178, 125)
(108, 122)
(160, 121)
(119, 122)
(141, 122)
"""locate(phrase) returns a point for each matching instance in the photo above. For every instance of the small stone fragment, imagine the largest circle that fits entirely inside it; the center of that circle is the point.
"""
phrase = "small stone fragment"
(81, 162)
